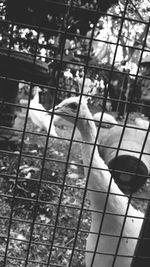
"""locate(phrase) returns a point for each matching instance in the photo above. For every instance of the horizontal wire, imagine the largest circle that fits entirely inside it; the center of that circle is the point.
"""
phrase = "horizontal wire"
(38, 201)
(44, 181)
(73, 207)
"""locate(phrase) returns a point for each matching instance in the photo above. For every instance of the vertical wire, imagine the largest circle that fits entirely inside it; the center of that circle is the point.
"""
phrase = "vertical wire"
(136, 259)
(98, 131)
(71, 139)
(16, 180)
(87, 178)
(129, 201)
(116, 156)
(43, 165)
(41, 173)
(15, 184)
(142, 249)
(130, 196)
(19, 161)
(70, 145)
(91, 159)
(127, 116)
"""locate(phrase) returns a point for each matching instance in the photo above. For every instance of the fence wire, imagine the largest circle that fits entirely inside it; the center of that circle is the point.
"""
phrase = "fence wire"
(45, 213)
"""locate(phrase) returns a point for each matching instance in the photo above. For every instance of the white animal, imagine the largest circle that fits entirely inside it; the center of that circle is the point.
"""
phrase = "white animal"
(144, 124)
(39, 115)
(107, 118)
(99, 185)
(68, 74)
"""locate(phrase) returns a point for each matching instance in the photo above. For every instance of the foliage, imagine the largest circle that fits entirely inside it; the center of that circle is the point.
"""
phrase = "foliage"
(51, 14)
(54, 17)
(132, 34)
(47, 45)
(43, 212)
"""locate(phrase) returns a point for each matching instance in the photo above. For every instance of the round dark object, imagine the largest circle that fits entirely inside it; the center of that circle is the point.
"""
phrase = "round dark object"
(123, 151)
(129, 173)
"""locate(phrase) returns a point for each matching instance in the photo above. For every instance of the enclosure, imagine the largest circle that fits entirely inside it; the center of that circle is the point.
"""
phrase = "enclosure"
(97, 52)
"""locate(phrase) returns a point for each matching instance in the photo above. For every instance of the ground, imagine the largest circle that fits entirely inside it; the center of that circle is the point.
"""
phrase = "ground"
(47, 192)
(57, 181)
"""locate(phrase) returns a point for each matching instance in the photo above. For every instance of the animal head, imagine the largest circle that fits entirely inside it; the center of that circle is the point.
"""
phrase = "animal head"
(69, 109)
(36, 90)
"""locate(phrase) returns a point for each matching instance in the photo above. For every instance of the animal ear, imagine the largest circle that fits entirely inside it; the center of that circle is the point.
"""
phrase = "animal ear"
(86, 98)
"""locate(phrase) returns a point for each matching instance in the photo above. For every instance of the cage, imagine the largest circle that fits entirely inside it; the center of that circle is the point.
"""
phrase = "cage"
(74, 133)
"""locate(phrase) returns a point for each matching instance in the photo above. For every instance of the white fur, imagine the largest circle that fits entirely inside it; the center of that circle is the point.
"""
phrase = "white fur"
(116, 206)
(106, 118)
(144, 124)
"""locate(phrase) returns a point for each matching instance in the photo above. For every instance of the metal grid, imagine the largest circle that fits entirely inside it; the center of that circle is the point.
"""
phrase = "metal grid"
(19, 248)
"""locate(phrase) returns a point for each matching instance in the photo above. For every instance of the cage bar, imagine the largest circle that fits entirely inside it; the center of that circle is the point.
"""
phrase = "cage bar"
(61, 48)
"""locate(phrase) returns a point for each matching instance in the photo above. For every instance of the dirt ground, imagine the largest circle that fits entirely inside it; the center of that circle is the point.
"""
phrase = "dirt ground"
(41, 197)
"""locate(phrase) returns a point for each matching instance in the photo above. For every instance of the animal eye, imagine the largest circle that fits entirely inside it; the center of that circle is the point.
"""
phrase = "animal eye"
(73, 106)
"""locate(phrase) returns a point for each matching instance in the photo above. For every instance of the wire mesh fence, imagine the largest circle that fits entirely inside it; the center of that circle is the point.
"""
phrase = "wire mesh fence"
(64, 65)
